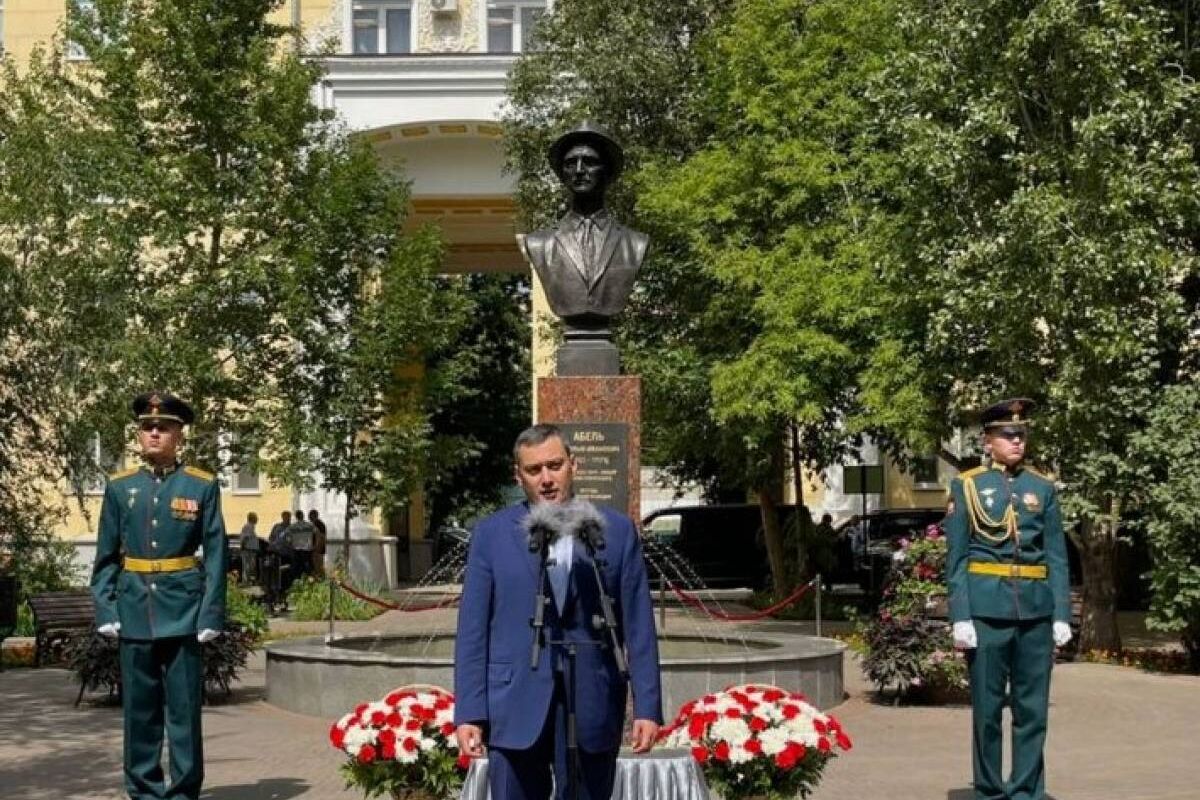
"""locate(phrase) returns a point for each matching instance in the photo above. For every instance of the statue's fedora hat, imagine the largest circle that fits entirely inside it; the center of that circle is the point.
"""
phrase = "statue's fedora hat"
(589, 133)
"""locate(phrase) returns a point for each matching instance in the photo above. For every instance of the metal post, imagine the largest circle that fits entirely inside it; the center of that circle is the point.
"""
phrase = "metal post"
(332, 589)
(662, 604)
(818, 580)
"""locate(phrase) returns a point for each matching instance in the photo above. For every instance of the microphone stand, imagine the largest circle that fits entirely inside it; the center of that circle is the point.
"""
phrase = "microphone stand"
(538, 621)
(607, 619)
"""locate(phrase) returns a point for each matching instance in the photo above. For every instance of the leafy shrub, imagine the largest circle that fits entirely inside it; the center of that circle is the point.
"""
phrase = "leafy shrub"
(309, 600)
(241, 608)
(95, 659)
(906, 650)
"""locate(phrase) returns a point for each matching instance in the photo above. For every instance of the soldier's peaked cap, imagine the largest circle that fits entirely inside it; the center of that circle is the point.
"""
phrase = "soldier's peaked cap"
(1014, 411)
(162, 406)
(593, 135)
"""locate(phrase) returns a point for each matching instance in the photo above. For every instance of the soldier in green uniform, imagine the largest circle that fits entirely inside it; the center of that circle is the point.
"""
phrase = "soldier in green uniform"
(1009, 600)
(162, 601)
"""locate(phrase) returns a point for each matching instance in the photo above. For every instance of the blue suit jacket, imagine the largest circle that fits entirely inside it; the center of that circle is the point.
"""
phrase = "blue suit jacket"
(493, 682)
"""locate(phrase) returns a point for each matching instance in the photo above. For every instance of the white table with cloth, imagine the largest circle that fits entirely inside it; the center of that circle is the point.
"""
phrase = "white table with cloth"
(661, 774)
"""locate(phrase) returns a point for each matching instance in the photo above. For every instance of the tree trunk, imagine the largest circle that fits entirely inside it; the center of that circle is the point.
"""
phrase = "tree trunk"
(773, 534)
(1097, 542)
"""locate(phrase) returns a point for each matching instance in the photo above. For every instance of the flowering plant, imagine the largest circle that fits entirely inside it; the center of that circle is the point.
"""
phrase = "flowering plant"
(757, 741)
(402, 745)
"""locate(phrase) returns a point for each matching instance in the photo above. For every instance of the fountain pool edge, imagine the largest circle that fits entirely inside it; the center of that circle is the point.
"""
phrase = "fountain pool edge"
(306, 676)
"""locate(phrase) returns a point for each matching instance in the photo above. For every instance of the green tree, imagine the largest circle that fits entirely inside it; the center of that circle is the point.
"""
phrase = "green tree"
(1170, 448)
(183, 216)
(1048, 226)
(472, 456)
(755, 312)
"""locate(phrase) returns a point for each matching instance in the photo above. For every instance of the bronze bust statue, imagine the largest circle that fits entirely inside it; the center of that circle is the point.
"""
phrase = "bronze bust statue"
(588, 262)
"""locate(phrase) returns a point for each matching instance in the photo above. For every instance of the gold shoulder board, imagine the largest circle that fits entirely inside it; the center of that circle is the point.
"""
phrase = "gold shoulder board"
(125, 473)
(1040, 474)
(971, 473)
(196, 472)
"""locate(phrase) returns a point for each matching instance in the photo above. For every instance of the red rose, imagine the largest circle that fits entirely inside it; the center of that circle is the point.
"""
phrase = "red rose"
(721, 751)
(843, 741)
(795, 750)
(753, 746)
(360, 709)
(448, 729)
(696, 726)
(819, 726)
(773, 695)
(394, 719)
(337, 737)
(387, 737)
(708, 698)
(367, 754)
(687, 708)
(442, 704)
(463, 762)
(733, 713)
(791, 712)
(378, 718)
(412, 725)
(389, 750)
(758, 724)
(785, 761)
(392, 699)
(823, 745)
(410, 744)
(700, 754)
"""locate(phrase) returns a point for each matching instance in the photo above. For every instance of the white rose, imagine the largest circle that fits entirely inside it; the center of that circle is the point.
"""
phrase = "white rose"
(425, 743)
(734, 731)
(739, 755)
(407, 757)
(774, 741)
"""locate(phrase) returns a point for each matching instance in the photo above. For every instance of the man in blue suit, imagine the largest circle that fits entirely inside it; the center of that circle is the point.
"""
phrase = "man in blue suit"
(518, 710)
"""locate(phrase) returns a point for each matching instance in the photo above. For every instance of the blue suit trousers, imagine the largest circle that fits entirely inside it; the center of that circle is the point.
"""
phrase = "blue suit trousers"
(536, 772)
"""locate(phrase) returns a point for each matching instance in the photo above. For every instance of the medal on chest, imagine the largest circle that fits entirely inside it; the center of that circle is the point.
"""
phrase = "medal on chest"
(1031, 501)
(132, 496)
(989, 498)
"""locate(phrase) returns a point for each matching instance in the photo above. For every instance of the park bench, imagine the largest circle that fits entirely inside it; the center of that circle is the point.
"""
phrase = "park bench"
(57, 618)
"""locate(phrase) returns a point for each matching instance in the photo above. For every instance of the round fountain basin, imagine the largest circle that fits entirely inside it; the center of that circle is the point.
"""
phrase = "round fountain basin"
(308, 676)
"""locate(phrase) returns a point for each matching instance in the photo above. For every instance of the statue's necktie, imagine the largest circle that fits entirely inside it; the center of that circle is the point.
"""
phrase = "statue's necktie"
(590, 237)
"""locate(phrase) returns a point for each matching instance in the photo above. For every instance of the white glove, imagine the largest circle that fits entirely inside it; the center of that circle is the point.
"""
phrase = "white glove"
(110, 629)
(207, 635)
(964, 635)
(1062, 633)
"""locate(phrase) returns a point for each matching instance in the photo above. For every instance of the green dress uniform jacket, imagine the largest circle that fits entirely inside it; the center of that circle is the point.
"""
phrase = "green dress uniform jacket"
(1039, 540)
(151, 516)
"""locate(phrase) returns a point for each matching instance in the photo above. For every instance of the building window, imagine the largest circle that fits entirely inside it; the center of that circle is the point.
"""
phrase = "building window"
(925, 472)
(511, 24)
(86, 12)
(246, 481)
(105, 463)
(382, 27)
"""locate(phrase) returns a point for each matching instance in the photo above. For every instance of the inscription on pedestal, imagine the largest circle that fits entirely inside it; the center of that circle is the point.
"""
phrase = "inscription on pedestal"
(602, 452)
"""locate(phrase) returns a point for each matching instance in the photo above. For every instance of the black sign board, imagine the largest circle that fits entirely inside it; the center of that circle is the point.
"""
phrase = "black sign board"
(602, 450)
(8, 602)
(862, 479)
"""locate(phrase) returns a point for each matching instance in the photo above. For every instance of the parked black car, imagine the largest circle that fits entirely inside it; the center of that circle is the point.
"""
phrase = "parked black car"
(866, 542)
(723, 544)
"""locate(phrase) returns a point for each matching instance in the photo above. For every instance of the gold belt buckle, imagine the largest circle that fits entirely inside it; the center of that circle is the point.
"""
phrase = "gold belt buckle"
(1014, 570)
(155, 565)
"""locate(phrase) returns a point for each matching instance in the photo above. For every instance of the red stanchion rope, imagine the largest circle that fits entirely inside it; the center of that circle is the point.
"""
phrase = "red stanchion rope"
(393, 606)
(698, 604)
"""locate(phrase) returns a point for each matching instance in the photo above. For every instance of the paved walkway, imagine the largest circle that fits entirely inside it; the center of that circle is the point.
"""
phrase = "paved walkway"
(1116, 734)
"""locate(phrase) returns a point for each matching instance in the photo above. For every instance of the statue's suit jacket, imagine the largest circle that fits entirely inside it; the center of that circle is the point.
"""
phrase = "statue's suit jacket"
(578, 291)
(494, 685)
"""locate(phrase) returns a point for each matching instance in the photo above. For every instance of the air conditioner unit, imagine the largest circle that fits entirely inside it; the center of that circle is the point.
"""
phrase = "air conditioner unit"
(443, 6)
